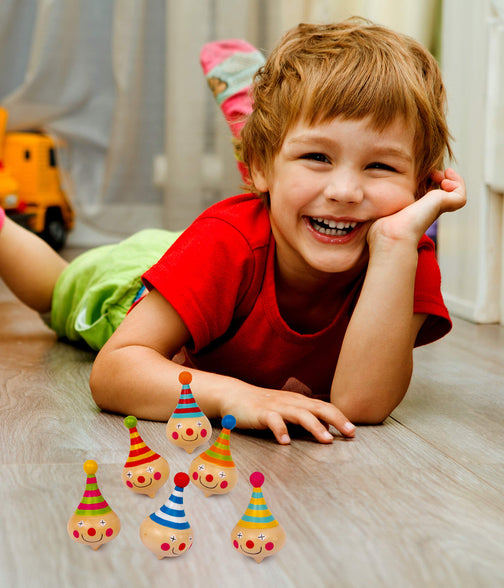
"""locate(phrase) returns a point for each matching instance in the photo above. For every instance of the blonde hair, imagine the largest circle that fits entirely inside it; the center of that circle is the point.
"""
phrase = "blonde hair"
(352, 69)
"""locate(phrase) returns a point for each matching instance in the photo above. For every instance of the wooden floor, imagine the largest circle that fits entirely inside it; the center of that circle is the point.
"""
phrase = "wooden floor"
(416, 502)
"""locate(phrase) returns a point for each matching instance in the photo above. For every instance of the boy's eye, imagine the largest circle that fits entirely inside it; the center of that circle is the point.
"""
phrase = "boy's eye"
(379, 165)
(316, 157)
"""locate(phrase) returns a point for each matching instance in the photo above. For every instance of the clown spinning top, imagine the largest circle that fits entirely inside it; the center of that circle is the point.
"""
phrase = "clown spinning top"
(258, 534)
(188, 427)
(144, 471)
(94, 522)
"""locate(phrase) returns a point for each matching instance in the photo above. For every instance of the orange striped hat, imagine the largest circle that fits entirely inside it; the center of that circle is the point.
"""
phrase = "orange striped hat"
(139, 452)
(219, 453)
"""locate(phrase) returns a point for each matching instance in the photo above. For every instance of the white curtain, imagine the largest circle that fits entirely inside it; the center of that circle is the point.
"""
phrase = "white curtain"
(92, 73)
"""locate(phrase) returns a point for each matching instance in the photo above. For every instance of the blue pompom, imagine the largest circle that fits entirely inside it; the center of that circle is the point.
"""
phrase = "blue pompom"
(229, 422)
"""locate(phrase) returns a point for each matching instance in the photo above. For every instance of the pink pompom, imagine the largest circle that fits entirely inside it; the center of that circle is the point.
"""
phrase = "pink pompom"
(257, 479)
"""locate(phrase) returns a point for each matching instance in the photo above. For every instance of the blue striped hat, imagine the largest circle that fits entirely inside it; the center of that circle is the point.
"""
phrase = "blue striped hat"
(172, 514)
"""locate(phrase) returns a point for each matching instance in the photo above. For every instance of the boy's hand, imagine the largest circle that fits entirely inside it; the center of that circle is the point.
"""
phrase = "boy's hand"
(410, 223)
(272, 409)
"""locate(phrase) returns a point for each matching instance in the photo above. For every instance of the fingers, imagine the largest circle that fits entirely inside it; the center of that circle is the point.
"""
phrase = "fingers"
(309, 420)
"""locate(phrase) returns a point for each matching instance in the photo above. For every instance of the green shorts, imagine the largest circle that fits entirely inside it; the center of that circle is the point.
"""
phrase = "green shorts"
(96, 290)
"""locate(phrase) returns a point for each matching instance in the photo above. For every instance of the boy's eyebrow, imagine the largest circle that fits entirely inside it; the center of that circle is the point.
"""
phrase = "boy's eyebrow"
(377, 150)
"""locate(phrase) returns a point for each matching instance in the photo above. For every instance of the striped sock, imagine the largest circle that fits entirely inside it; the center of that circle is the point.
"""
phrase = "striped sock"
(229, 67)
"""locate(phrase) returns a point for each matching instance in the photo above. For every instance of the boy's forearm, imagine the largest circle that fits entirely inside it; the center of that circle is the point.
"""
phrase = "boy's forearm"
(376, 361)
(140, 381)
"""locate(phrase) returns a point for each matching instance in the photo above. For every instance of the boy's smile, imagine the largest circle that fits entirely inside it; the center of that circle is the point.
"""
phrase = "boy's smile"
(327, 185)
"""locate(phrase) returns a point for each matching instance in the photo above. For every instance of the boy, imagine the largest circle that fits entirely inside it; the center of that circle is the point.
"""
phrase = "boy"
(302, 301)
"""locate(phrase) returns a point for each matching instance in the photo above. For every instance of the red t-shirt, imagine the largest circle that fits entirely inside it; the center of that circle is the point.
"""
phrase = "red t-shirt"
(219, 277)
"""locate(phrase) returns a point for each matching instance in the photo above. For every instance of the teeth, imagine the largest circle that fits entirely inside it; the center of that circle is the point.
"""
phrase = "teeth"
(332, 227)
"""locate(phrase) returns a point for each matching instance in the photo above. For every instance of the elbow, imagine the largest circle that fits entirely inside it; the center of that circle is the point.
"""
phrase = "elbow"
(98, 385)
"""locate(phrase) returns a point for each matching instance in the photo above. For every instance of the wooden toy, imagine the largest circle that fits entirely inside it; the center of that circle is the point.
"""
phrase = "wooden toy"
(214, 471)
(188, 427)
(258, 534)
(167, 532)
(94, 522)
(144, 471)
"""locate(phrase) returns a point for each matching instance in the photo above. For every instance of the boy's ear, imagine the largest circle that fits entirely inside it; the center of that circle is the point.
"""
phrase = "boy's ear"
(259, 178)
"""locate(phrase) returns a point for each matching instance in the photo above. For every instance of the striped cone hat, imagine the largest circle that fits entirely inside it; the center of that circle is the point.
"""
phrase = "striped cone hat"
(257, 515)
(92, 502)
(187, 406)
(139, 452)
(172, 513)
(220, 453)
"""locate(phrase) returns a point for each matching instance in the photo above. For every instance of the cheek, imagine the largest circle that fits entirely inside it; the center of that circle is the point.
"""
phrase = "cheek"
(204, 433)
(236, 545)
(174, 435)
(269, 546)
(157, 476)
(224, 484)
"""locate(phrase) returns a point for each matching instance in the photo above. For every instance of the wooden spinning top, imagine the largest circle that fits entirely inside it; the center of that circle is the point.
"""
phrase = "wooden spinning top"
(94, 522)
(188, 427)
(258, 534)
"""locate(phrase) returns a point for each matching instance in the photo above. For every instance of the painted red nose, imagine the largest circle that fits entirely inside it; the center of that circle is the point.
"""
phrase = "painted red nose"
(141, 479)
(249, 544)
(209, 478)
(190, 432)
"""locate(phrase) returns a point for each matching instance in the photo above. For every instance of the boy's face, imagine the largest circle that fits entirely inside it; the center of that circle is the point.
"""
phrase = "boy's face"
(327, 185)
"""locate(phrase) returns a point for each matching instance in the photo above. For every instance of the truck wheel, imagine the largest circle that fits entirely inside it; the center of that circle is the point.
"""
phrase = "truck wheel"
(54, 231)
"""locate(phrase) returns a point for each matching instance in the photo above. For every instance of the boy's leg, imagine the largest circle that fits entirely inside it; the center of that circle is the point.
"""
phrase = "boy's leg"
(229, 67)
(28, 265)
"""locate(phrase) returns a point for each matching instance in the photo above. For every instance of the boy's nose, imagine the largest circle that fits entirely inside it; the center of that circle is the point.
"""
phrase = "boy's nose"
(343, 186)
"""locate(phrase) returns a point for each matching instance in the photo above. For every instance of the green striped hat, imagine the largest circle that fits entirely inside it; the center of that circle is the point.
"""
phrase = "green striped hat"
(220, 454)
(92, 502)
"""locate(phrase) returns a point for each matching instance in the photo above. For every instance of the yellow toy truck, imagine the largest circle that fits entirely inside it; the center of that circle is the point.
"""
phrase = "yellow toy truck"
(30, 190)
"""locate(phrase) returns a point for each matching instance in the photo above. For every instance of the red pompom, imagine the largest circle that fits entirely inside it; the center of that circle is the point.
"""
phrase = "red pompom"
(181, 479)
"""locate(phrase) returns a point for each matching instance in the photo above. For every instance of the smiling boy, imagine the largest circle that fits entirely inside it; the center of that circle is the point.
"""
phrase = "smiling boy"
(302, 301)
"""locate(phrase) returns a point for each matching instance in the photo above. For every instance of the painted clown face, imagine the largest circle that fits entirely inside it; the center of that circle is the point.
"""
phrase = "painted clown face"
(164, 541)
(94, 530)
(188, 433)
(258, 543)
(212, 478)
(146, 478)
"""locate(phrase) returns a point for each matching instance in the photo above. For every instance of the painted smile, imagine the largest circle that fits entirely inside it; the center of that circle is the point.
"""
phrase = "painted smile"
(142, 485)
(190, 439)
(200, 480)
(251, 552)
(95, 541)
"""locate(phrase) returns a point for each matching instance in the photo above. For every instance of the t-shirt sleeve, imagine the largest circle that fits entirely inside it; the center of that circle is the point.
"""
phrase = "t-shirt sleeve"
(205, 276)
(428, 297)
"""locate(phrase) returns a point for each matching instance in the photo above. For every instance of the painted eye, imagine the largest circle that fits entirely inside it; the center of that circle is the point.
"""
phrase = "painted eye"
(199, 424)
(173, 538)
(222, 474)
(239, 534)
(179, 425)
(261, 537)
(201, 467)
(129, 474)
(150, 469)
(103, 523)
